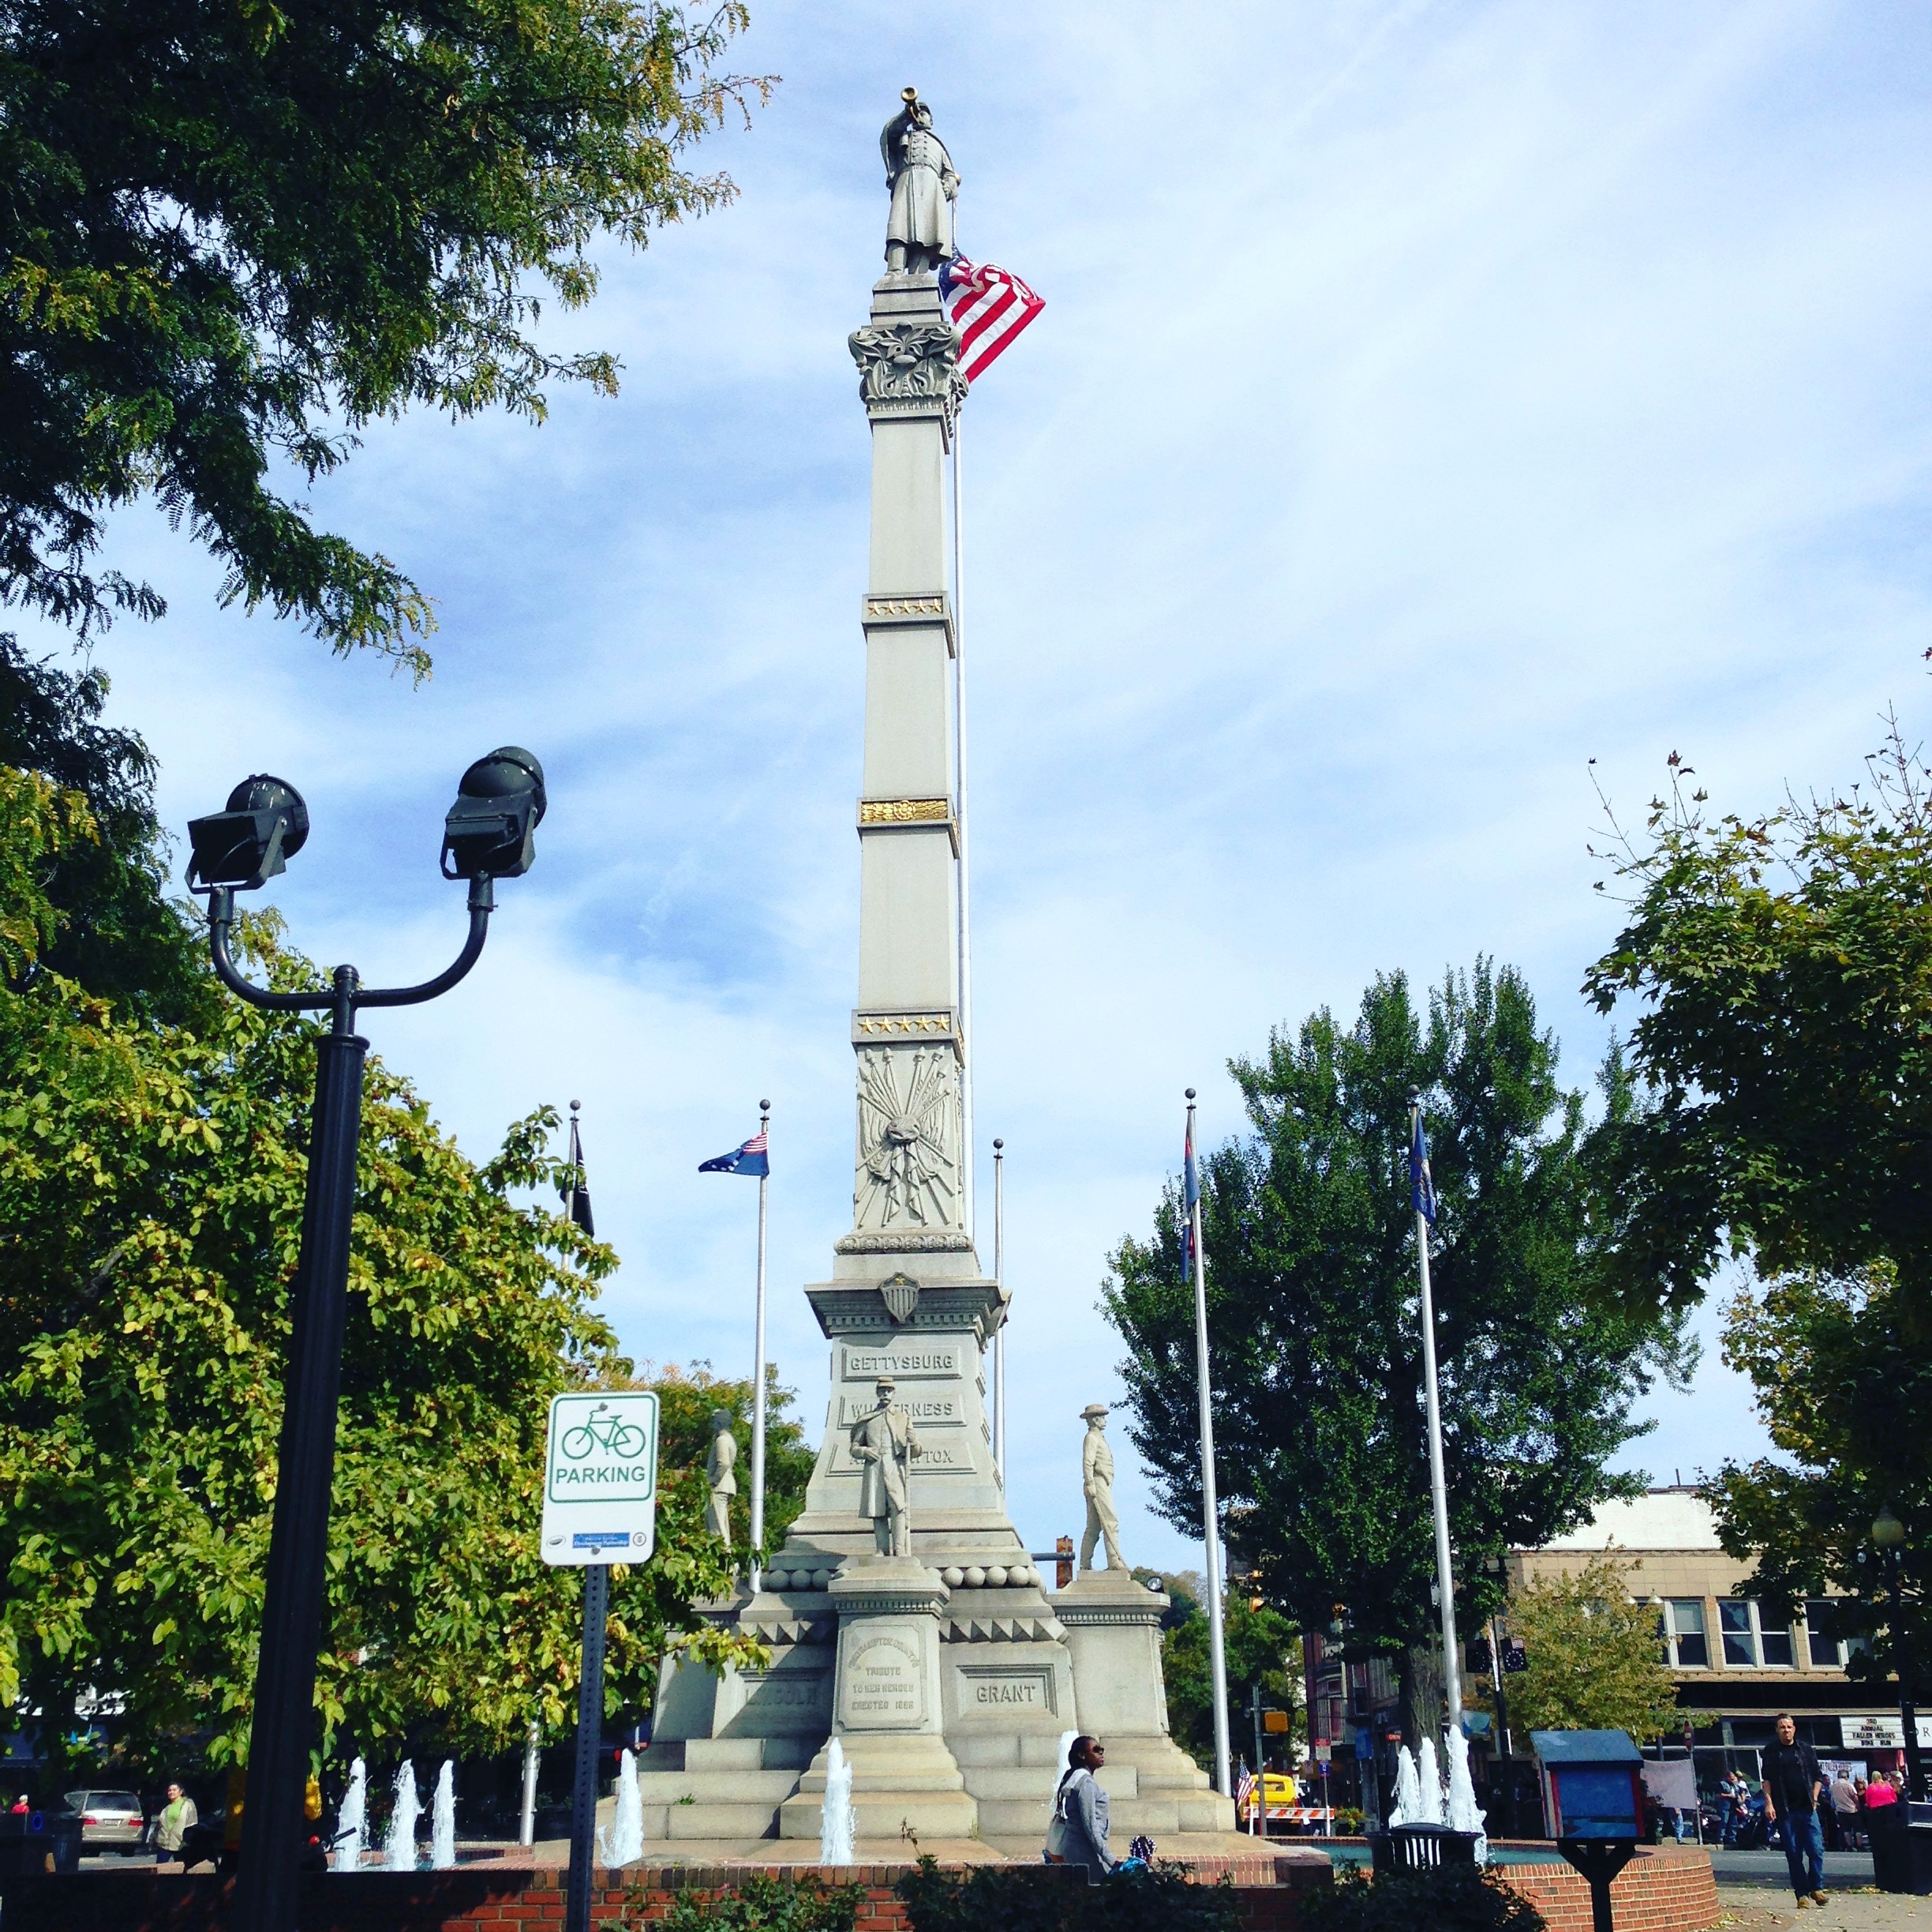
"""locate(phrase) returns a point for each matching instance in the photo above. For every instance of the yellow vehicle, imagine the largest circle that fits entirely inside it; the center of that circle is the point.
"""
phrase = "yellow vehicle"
(1279, 1789)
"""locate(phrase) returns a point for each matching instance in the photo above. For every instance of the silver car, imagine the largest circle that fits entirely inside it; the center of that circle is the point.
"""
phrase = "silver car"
(110, 1821)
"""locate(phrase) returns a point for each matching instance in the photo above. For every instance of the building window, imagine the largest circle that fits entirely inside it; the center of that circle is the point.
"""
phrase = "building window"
(1749, 1641)
(1686, 1647)
(1827, 1648)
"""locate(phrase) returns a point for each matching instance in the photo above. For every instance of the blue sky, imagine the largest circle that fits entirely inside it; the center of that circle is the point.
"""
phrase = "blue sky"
(1429, 400)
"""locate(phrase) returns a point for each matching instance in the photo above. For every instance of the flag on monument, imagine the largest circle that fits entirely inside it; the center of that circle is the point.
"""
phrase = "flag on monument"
(1421, 1184)
(577, 1196)
(988, 305)
(1191, 1190)
(748, 1159)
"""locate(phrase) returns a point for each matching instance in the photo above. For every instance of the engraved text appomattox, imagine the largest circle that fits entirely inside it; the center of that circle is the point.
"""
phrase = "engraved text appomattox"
(909, 1128)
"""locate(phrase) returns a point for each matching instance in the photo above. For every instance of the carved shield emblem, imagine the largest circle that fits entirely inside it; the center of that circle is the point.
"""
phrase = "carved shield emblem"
(901, 1296)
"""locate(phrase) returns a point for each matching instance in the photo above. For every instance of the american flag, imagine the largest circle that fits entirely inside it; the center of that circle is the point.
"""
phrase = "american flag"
(1244, 1789)
(988, 305)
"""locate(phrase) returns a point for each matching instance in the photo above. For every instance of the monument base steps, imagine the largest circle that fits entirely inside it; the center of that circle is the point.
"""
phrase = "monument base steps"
(901, 1782)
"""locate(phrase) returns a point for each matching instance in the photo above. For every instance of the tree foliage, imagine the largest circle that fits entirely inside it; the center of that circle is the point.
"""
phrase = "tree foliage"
(1844, 1385)
(1783, 965)
(1313, 1309)
(150, 1193)
(1261, 1647)
(234, 234)
(1595, 1660)
(689, 1398)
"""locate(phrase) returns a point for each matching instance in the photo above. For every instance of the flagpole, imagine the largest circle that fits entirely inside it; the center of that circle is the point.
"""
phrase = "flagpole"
(999, 1334)
(758, 1378)
(1439, 1493)
(965, 920)
(1211, 1509)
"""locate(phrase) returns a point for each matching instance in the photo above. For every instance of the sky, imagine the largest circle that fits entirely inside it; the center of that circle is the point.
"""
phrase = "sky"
(1429, 401)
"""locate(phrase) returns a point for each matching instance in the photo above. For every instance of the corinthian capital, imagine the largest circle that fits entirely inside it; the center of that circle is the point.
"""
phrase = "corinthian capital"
(909, 369)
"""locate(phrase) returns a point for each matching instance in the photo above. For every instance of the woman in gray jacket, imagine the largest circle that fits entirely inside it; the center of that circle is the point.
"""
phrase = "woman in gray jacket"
(1078, 1833)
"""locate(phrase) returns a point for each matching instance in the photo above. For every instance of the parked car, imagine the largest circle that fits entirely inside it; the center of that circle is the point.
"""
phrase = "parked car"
(110, 1821)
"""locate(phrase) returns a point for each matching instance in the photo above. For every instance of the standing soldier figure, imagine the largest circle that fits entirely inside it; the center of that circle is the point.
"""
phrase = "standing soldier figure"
(919, 232)
(884, 1443)
(1097, 1480)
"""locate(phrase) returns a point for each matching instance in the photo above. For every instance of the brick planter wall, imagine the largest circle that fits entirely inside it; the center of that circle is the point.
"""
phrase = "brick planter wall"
(1664, 1889)
(490, 1896)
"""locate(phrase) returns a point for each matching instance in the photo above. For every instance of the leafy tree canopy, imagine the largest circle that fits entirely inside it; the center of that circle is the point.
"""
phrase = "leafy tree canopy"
(234, 234)
(1844, 1384)
(689, 1399)
(1783, 965)
(1595, 1662)
(150, 1193)
(1313, 1309)
(1260, 1646)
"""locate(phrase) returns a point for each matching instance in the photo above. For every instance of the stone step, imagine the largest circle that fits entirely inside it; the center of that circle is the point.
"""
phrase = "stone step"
(723, 1821)
(1013, 1817)
(930, 1814)
(1041, 1781)
(717, 1787)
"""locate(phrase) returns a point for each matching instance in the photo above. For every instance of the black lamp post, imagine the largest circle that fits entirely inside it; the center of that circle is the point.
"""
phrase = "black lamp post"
(487, 835)
(1888, 1536)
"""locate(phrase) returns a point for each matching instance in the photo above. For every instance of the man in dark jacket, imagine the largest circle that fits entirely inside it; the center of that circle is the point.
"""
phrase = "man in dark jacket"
(1792, 1785)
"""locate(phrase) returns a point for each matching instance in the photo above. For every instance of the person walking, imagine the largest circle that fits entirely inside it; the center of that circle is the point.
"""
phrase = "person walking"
(1078, 1833)
(1845, 1799)
(1793, 1784)
(172, 1823)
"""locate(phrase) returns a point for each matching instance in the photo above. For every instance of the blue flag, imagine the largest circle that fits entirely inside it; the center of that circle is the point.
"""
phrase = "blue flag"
(1421, 1184)
(748, 1159)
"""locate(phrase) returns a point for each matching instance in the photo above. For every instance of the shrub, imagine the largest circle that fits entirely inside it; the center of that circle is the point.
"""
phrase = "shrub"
(758, 1904)
(1443, 1898)
(1033, 1898)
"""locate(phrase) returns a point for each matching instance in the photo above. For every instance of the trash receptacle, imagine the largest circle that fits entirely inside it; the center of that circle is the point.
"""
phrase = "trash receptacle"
(40, 1841)
(1407, 1847)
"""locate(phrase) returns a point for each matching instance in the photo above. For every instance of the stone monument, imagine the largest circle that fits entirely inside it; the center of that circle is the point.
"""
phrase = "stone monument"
(903, 1614)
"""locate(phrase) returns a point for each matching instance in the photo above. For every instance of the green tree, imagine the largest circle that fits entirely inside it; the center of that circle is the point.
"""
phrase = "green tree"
(1260, 1646)
(234, 234)
(1844, 1385)
(150, 1193)
(1595, 1660)
(1783, 966)
(689, 1398)
(1312, 1312)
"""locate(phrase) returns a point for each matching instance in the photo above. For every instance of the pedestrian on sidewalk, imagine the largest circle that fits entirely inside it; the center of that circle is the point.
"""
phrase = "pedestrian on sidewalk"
(1077, 1834)
(172, 1825)
(1845, 1809)
(1793, 1784)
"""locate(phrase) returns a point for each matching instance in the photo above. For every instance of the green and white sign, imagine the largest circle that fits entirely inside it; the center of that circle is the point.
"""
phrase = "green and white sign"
(600, 1478)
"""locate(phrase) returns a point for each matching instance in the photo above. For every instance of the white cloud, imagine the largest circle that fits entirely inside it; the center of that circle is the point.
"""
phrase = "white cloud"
(1427, 401)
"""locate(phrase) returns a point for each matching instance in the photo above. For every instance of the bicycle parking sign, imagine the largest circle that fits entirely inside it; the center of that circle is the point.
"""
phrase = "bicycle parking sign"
(600, 1478)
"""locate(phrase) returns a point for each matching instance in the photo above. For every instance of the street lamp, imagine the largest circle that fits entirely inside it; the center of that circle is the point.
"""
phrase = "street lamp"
(1888, 1536)
(487, 835)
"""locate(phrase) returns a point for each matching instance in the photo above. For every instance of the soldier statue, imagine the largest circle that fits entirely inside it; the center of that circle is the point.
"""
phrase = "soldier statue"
(1097, 1480)
(718, 1467)
(919, 232)
(884, 1443)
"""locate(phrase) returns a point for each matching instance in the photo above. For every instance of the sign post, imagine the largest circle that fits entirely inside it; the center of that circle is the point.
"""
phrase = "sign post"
(599, 1507)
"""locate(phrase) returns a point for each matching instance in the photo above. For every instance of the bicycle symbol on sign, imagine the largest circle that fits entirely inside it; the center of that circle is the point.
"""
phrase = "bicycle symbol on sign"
(622, 1439)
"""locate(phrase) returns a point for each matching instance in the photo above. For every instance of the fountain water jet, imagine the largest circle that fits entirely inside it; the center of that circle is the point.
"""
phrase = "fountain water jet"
(1428, 1780)
(352, 1821)
(399, 1846)
(836, 1824)
(442, 1820)
(1464, 1815)
(1407, 1809)
(625, 1843)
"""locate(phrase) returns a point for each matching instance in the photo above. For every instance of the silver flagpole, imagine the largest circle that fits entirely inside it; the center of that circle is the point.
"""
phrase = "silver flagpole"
(1439, 1493)
(959, 756)
(758, 1382)
(1210, 1508)
(999, 1334)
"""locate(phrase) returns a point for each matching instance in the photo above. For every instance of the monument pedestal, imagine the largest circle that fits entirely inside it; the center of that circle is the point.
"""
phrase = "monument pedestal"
(1113, 1633)
(888, 1714)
